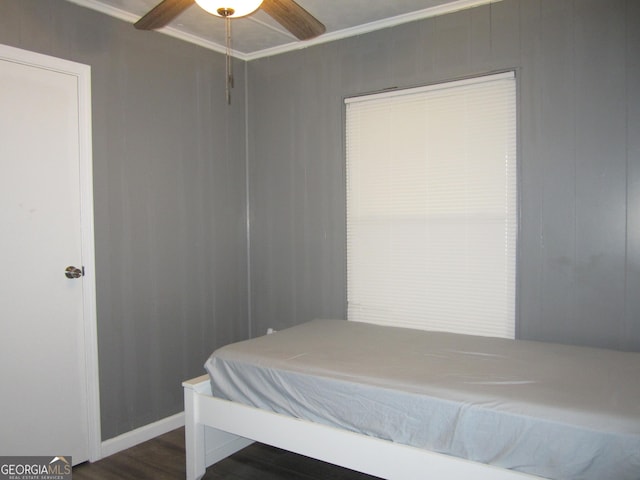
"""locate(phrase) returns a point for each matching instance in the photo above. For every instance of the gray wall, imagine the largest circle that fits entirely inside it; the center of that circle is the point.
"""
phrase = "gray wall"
(578, 64)
(170, 209)
(169, 177)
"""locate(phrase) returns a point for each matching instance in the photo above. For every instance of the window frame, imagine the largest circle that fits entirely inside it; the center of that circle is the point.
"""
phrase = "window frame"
(508, 331)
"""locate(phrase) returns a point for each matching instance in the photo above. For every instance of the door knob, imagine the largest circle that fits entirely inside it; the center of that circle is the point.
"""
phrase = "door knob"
(73, 272)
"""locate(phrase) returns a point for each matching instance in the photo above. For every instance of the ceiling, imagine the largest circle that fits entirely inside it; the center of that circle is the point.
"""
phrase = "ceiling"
(258, 35)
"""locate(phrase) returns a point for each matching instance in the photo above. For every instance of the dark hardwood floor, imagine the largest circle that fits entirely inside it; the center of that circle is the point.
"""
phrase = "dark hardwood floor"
(163, 458)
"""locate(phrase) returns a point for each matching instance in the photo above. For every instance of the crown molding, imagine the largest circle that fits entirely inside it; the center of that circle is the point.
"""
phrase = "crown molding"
(294, 45)
(171, 31)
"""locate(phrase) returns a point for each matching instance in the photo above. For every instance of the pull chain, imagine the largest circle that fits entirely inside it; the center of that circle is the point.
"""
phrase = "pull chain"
(226, 13)
(229, 65)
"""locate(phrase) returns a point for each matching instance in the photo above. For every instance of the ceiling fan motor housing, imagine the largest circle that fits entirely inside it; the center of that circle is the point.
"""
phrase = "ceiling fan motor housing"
(230, 8)
(226, 12)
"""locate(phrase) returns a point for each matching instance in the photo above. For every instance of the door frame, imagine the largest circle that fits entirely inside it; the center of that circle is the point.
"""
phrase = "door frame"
(83, 77)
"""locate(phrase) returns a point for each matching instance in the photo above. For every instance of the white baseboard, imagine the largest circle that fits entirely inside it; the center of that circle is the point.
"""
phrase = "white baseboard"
(142, 434)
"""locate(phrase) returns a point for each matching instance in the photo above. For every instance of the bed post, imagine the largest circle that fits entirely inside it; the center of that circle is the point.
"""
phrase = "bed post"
(194, 433)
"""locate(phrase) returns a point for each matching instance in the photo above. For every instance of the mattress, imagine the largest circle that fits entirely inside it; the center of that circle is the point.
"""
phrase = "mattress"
(551, 410)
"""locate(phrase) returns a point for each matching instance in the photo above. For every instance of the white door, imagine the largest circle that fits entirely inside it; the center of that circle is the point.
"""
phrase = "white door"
(46, 397)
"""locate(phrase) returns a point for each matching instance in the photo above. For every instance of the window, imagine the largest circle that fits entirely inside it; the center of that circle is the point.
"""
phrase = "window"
(431, 207)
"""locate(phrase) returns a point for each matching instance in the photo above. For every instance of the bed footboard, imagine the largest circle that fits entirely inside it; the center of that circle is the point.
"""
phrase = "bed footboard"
(217, 428)
(204, 445)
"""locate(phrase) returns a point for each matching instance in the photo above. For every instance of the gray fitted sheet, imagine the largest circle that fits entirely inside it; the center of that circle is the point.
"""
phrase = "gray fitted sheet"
(552, 410)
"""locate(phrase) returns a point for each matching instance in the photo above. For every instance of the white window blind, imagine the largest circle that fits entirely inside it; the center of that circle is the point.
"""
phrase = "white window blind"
(431, 207)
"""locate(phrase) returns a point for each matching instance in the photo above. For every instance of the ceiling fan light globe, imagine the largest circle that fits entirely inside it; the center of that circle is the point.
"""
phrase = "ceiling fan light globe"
(240, 8)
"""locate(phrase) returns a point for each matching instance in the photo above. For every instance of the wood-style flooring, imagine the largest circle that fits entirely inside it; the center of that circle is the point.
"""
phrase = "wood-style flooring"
(163, 458)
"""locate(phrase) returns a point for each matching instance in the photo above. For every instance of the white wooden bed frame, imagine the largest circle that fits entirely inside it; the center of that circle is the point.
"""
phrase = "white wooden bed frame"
(216, 428)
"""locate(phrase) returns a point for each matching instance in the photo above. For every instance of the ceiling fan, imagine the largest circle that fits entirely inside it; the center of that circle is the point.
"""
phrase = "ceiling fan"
(287, 13)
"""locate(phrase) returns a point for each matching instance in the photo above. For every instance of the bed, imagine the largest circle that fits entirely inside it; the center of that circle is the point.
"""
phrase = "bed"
(406, 404)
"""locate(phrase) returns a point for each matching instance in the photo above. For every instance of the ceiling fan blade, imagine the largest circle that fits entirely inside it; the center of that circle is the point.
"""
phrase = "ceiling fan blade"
(294, 18)
(162, 14)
